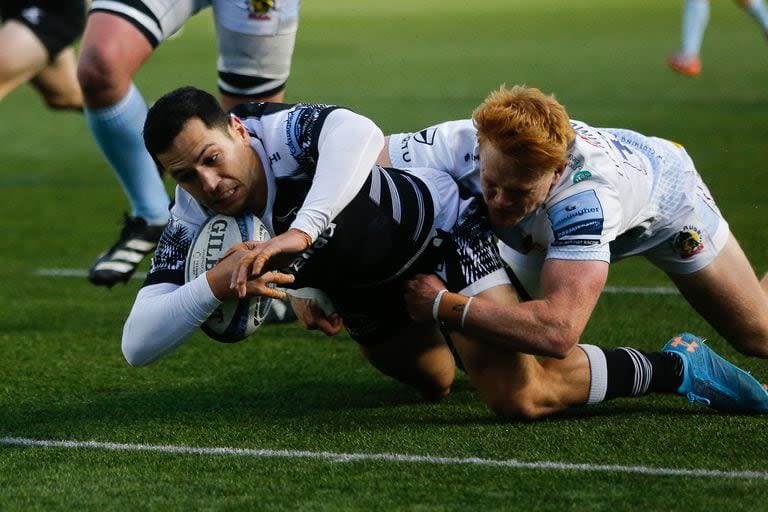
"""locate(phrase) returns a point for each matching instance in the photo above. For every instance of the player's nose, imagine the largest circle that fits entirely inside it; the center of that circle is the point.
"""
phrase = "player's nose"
(209, 179)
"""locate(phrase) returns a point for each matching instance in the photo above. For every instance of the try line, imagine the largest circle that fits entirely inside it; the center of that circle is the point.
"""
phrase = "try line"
(638, 290)
(386, 457)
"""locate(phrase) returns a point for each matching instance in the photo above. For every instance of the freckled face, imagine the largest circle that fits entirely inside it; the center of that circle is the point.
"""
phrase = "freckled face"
(511, 193)
(218, 168)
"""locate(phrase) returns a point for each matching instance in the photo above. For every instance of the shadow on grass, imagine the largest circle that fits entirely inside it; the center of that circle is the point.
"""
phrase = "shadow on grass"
(303, 406)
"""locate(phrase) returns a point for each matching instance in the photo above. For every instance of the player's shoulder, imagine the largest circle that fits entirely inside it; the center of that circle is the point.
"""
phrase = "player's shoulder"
(458, 136)
(296, 125)
(463, 129)
(187, 210)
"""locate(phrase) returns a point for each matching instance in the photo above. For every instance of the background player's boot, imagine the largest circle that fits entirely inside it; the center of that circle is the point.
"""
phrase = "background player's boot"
(688, 66)
(118, 263)
(710, 380)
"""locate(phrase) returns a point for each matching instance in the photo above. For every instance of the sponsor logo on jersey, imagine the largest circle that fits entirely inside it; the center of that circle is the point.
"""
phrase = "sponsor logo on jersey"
(321, 242)
(32, 14)
(426, 136)
(405, 152)
(587, 134)
(577, 220)
(299, 128)
(581, 176)
(284, 218)
(688, 242)
(259, 9)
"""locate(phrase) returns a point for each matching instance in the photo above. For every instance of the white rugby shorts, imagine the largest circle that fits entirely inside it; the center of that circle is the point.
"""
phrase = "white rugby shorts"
(255, 37)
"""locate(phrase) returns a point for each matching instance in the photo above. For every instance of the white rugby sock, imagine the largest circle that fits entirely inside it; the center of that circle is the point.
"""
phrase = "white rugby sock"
(598, 369)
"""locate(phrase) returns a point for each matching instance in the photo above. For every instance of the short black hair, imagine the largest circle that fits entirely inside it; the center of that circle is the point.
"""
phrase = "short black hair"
(169, 114)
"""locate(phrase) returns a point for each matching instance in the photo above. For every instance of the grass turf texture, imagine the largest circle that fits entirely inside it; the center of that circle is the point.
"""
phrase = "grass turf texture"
(406, 65)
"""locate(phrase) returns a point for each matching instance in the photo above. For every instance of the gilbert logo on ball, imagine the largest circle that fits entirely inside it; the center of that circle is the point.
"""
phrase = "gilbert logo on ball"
(234, 320)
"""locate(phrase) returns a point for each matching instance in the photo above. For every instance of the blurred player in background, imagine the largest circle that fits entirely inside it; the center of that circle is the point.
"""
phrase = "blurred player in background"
(567, 199)
(687, 60)
(255, 40)
(36, 38)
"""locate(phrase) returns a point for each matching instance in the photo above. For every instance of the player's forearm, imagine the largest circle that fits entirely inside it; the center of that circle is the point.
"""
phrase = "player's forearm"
(163, 317)
(532, 327)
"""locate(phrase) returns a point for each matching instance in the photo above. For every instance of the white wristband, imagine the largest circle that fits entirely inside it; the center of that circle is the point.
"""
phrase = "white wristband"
(436, 304)
(466, 310)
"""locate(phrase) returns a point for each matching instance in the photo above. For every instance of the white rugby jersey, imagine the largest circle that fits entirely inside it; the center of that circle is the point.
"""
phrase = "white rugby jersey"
(306, 149)
(616, 196)
(304, 191)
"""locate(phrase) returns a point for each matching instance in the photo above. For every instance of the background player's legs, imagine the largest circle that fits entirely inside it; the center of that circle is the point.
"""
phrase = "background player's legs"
(254, 67)
(111, 53)
(22, 57)
(419, 357)
(759, 11)
(57, 82)
(229, 101)
(729, 296)
(695, 19)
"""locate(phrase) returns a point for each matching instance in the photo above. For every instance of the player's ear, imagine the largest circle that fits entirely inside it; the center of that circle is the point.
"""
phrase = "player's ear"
(558, 173)
(238, 128)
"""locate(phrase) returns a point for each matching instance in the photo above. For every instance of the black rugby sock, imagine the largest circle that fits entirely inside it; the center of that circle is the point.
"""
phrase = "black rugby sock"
(632, 372)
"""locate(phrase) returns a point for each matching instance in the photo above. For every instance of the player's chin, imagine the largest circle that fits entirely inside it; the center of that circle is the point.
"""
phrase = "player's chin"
(501, 220)
(232, 205)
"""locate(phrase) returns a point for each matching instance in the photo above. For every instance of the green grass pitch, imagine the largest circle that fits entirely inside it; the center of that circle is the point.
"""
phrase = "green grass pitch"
(303, 399)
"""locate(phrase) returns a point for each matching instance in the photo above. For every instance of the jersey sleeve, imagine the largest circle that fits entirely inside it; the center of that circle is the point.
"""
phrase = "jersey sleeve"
(163, 317)
(170, 257)
(584, 224)
(167, 311)
(449, 147)
(347, 147)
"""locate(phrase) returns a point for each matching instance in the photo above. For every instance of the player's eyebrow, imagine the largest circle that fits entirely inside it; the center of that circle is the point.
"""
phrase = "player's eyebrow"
(175, 172)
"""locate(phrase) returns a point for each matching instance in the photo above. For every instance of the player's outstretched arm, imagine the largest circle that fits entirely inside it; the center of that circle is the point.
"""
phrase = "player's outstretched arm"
(550, 326)
(163, 317)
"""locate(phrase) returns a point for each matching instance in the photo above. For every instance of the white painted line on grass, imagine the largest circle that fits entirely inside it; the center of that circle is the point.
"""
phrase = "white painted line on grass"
(639, 290)
(75, 272)
(387, 457)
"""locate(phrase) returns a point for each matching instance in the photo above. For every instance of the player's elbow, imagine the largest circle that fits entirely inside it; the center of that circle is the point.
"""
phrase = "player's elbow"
(133, 354)
(134, 348)
(561, 341)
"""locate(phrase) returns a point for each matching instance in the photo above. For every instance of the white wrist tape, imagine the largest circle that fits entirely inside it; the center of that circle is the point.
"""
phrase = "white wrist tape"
(466, 310)
(436, 304)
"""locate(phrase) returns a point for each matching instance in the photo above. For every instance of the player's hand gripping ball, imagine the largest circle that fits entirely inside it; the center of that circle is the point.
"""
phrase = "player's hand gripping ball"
(234, 320)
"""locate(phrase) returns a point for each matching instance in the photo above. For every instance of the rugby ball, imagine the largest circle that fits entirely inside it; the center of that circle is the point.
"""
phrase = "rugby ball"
(235, 319)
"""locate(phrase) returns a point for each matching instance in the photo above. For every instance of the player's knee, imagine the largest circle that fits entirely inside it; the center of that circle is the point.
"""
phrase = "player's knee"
(97, 73)
(435, 384)
(434, 392)
(518, 406)
(525, 401)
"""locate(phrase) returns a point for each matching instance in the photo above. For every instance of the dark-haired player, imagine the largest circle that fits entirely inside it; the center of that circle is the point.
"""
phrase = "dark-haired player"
(255, 41)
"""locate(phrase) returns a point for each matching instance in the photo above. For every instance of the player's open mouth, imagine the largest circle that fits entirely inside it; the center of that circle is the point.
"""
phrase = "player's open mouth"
(226, 197)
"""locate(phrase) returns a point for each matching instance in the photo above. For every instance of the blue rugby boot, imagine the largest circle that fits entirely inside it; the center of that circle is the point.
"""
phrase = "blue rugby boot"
(710, 380)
